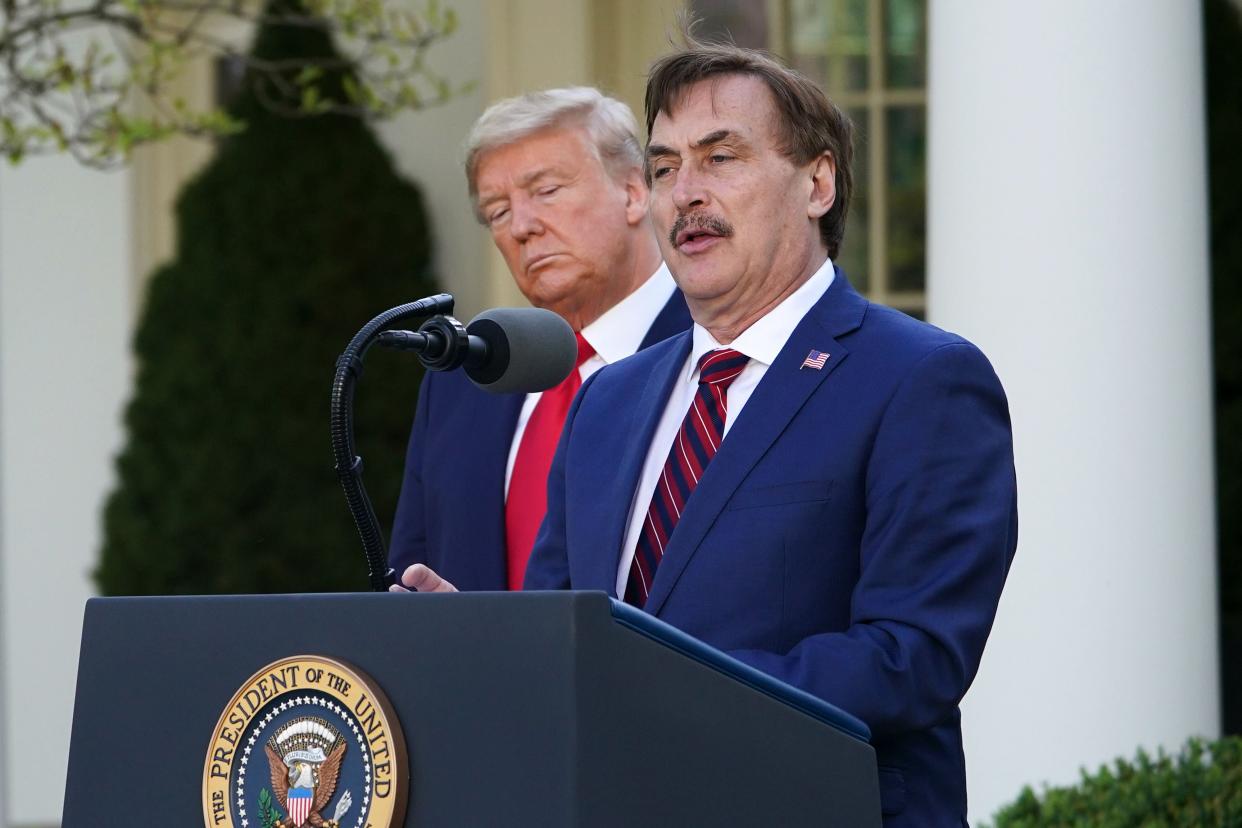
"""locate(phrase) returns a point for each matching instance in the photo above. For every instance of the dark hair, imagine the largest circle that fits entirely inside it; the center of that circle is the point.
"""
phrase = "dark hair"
(809, 125)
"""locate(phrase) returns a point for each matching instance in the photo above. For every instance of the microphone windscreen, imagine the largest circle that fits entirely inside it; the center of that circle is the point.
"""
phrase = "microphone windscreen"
(528, 349)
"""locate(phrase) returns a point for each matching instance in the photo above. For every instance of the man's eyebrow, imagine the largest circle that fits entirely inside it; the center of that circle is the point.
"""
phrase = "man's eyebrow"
(534, 175)
(716, 137)
(485, 198)
(524, 181)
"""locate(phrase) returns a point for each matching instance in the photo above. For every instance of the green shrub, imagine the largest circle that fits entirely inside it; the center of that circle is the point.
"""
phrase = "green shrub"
(1201, 786)
(296, 234)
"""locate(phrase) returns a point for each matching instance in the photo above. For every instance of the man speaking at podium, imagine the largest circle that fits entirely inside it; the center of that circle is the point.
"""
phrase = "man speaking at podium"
(820, 486)
(557, 178)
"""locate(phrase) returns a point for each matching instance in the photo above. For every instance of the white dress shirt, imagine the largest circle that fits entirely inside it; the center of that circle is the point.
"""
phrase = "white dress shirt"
(762, 341)
(614, 336)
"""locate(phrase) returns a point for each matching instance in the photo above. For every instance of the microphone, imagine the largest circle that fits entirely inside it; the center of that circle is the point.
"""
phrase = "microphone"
(522, 350)
(503, 350)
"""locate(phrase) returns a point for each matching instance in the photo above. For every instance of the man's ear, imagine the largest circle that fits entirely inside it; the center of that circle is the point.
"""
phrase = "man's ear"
(823, 185)
(637, 198)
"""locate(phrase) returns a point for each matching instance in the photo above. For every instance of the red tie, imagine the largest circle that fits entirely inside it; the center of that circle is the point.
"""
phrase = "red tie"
(693, 448)
(528, 486)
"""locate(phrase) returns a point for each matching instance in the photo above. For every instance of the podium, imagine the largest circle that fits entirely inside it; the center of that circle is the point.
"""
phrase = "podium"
(540, 709)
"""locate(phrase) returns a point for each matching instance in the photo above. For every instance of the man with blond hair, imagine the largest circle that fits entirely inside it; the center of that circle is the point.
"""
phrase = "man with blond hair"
(557, 179)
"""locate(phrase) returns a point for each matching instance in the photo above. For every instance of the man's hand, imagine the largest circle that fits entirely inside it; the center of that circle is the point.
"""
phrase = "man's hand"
(421, 578)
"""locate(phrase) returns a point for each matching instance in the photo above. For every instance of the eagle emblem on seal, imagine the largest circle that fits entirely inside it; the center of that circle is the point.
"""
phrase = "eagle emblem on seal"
(304, 757)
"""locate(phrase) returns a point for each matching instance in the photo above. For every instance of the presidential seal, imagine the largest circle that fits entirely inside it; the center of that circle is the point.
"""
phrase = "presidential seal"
(307, 740)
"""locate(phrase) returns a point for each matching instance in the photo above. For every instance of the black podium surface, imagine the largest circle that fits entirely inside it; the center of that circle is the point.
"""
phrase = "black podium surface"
(549, 709)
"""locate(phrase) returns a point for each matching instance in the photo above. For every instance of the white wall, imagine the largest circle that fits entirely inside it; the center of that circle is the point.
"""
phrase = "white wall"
(65, 316)
(1068, 238)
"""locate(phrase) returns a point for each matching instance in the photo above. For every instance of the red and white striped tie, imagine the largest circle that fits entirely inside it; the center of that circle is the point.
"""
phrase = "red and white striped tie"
(694, 447)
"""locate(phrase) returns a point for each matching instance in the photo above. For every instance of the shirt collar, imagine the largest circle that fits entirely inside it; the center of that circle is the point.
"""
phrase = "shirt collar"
(618, 333)
(763, 340)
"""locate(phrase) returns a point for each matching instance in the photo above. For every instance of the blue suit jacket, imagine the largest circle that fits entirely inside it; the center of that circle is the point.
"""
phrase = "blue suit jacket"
(451, 512)
(851, 536)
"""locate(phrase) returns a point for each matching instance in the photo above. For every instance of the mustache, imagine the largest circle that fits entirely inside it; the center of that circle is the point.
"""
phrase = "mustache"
(698, 221)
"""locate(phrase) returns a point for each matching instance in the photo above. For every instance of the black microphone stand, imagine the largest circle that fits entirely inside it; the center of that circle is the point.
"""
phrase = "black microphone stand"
(444, 340)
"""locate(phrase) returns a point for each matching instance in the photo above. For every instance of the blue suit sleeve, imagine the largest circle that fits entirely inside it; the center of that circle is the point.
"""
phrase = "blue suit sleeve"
(409, 529)
(940, 532)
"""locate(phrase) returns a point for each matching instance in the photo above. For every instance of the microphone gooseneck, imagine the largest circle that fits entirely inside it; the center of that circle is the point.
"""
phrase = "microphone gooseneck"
(348, 464)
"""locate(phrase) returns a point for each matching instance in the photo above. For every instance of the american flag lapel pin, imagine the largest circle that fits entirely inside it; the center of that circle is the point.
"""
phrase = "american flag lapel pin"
(815, 359)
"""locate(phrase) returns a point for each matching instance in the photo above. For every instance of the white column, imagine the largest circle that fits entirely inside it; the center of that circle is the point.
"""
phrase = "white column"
(1068, 238)
(65, 325)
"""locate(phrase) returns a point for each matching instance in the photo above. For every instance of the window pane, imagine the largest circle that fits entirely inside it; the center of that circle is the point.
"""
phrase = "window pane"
(743, 22)
(905, 41)
(855, 249)
(907, 196)
(829, 42)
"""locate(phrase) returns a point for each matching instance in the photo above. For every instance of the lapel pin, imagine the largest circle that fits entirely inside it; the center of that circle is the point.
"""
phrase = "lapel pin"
(815, 359)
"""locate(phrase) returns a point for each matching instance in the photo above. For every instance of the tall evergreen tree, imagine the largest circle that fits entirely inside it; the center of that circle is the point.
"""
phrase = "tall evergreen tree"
(296, 234)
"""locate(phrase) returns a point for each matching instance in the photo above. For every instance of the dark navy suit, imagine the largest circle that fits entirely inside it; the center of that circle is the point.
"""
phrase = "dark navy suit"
(851, 536)
(451, 513)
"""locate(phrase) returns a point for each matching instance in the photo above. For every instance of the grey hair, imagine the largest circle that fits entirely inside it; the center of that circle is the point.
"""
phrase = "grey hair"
(610, 124)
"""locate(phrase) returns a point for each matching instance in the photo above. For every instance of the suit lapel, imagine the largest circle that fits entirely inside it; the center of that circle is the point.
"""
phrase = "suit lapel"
(618, 475)
(780, 395)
